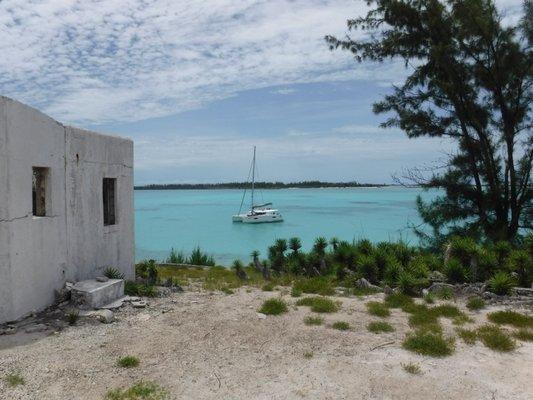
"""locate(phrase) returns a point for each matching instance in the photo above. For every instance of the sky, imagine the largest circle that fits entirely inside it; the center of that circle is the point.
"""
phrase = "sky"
(196, 84)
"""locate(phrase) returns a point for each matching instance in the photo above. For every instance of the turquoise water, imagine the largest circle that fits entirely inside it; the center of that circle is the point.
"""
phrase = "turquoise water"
(184, 219)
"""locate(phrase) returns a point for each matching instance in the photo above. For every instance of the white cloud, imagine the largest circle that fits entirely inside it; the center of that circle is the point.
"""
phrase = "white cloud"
(97, 61)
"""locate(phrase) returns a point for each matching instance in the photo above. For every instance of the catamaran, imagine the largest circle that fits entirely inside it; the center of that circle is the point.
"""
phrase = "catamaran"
(259, 213)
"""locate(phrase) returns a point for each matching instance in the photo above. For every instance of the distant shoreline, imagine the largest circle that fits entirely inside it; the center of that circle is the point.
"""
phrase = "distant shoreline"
(260, 185)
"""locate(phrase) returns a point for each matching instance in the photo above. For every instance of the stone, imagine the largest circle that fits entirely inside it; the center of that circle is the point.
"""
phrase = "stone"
(489, 295)
(436, 276)
(102, 278)
(36, 328)
(104, 316)
(62, 295)
(438, 286)
(364, 284)
(261, 315)
(387, 289)
(91, 293)
(11, 330)
(139, 304)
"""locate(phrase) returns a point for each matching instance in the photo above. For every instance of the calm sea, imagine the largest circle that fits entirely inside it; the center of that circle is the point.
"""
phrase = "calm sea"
(184, 219)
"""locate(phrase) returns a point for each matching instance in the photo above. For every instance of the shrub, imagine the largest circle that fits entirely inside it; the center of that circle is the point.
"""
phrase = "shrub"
(464, 249)
(524, 335)
(341, 325)
(176, 257)
(392, 272)
(511, 318)
(380, 326)
(468, 336)
(113, 273)
(366, 267)
(378, 309)
(429, 298)
(455, 271)
(429, 343)
(319, 304)
(521, 263)
(268, 287)
(496, 339)
(310, 320)
(397, 300)
(446, 310)
(501, 283)
(143, 390)
(139, 289)
(198, 257)
(128, 362)
(475, 303)
(73, 316)
(502, 250)
(316, 285)
(364, 246)
(412, 368)
(273, 307)
(14, 379)
(445, 293)
(487, 263)
(409, 284)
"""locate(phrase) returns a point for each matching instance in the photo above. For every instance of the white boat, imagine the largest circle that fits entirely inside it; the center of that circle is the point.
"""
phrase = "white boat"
(259, 213)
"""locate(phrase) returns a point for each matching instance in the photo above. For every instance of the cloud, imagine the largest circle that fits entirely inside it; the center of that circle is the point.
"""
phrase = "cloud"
(95, 61)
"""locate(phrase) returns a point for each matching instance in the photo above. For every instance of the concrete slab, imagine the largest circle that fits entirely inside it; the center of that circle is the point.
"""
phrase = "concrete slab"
(93, 294)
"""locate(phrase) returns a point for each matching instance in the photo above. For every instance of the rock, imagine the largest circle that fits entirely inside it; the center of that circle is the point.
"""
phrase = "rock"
(425, 292)
(261, 315)
(36, 328)
(436, 276)
(489, 295)
(102, 278)
(387, 289)
(364, 284)
(104, 316)
(10, 330)
(523, 291)
(139, 304)
(438, 286)
(62, 295)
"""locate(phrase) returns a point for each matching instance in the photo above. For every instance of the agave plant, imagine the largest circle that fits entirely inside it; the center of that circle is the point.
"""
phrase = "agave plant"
(295, 244)
(113, 273)
(334, 242)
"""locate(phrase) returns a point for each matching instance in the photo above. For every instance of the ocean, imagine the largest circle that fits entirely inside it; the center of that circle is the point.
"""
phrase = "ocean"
(184, 219)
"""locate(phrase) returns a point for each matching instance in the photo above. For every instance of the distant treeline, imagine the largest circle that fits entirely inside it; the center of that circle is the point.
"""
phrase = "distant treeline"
(258, 185)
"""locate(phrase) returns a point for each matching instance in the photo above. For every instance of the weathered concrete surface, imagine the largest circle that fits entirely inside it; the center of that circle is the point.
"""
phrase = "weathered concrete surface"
(90, 293)
(39, 254)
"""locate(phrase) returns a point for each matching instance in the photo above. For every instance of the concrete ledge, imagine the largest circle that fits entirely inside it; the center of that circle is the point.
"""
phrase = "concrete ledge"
(93, 294)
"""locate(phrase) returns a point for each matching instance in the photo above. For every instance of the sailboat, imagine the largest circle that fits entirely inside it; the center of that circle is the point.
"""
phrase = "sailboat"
(259, 213)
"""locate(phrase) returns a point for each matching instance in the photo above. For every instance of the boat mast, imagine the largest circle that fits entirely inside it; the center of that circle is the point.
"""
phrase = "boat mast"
(253, 180)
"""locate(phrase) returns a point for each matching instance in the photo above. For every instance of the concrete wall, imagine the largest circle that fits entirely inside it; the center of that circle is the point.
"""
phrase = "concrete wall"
(38, 254)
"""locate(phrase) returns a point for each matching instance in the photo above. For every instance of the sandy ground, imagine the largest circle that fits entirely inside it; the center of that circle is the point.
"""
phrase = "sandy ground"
(201, 345)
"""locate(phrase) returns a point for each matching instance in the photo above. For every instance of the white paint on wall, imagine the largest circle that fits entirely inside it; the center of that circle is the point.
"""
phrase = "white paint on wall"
(39, 254)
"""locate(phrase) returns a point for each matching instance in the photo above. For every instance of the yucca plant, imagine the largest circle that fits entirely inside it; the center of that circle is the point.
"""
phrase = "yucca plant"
(113, 273)
(501, 283)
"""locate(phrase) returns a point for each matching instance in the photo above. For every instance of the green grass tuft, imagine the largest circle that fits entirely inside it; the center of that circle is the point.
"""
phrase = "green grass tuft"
(140, 391)
(445, 293)
(268, 287)
(128, 362)
(319, 304)
(398, 300)
(227, 290)
(341, 325)
(495, 338)
(428, 343)
(72, 316)
(310, 320)
(475, 303)
(380, 326)
(296, 292)
(447, 311)
(308, 354)
(429, 298)
(511, 318)
(469, 336)
(378, 309)
(412, 368)
(316, 285)
(273, 307)
(524, 335)
(14, 379)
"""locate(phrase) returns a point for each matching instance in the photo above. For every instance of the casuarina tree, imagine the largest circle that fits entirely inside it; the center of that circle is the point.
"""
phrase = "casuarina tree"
(469, 80)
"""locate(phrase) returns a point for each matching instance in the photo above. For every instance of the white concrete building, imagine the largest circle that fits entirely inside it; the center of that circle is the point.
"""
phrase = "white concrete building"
(66, 207)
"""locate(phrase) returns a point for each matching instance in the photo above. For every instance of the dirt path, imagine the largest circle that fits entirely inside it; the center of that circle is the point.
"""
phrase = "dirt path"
(199, 345)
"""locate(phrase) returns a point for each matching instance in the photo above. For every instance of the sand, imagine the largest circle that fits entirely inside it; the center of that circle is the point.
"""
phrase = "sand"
(202, 345)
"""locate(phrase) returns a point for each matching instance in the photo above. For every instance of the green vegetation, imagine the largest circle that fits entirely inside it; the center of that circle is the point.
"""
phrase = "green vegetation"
(308, 354)
(128, 362)
(268, 287)
(143, 390)
(428, 343)
(341, 325)
(380, 326)
(398, 300)
(412, 368)
(113, 273)
(273, 307)
(501, 283)
(475, 303)
(139, 289)
(227, 290)
(511, 318)
(14, 379)
(310, 320)
(319, 304)
(316, 285)
(296, 292)
(72, 316)
(524, 335)
(469, 336)
(429, 298)
(495, 338)
(445, 293)
(378, 309)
